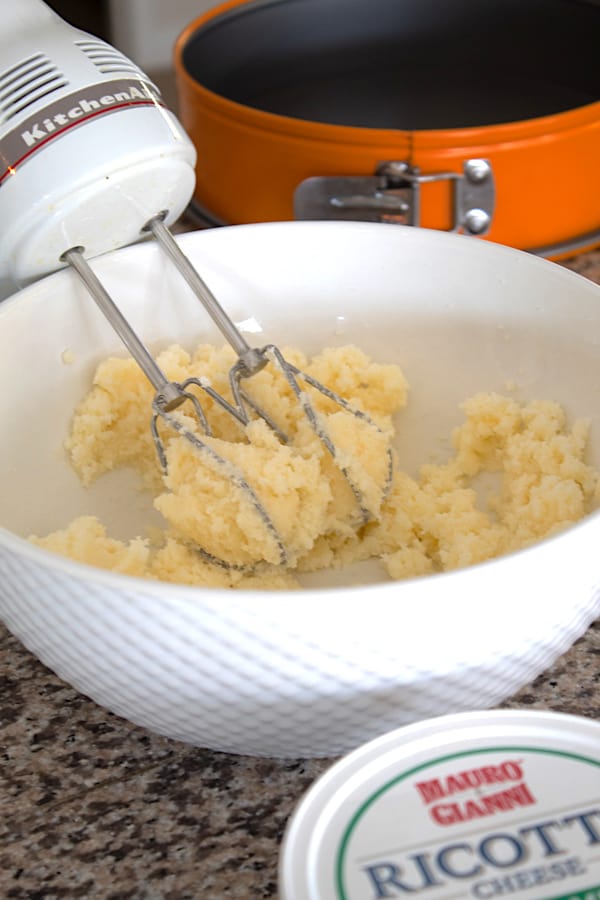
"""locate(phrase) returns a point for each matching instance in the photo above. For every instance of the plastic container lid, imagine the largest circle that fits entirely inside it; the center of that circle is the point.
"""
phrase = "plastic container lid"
(476, 805)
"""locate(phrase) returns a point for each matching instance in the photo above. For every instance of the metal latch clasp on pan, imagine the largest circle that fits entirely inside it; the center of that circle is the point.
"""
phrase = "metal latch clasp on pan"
(393, 194)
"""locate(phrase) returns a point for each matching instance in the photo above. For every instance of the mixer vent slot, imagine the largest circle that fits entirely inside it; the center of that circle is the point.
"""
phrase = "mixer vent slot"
(27, 82)
(109, 61)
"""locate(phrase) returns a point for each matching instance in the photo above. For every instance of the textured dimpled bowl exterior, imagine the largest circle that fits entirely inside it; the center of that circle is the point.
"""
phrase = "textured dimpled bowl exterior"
(320, 670)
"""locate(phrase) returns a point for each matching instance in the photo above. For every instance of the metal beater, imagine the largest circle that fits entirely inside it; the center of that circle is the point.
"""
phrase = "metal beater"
(171, 395)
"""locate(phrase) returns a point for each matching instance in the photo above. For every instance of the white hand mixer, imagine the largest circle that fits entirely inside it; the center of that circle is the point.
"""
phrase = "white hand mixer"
(91, 160)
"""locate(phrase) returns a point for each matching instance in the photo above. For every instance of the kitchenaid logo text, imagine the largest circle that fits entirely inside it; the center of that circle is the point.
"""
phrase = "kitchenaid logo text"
(69, 112)
(499, 788)
(40, 130)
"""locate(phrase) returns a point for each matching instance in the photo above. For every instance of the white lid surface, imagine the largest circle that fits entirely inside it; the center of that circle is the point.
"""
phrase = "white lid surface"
(475, 805)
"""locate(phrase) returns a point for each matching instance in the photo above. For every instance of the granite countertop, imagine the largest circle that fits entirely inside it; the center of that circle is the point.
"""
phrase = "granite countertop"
(95, 807)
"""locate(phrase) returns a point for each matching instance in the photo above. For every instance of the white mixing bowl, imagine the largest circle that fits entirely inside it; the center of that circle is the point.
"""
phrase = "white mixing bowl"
(317, 671)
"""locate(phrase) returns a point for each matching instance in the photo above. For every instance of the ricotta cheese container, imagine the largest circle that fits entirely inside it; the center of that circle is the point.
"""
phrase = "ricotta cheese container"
(479, 805)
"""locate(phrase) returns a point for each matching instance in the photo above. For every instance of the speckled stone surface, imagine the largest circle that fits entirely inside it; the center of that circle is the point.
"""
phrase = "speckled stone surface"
(94, 807)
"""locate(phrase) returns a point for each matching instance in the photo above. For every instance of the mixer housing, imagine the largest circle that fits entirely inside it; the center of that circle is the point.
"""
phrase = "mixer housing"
(88, 151)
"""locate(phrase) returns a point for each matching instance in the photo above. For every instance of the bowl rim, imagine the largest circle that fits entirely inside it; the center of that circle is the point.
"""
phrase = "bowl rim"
(479, 245)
